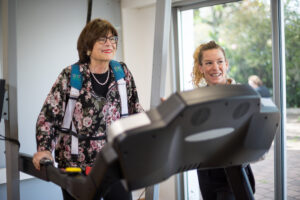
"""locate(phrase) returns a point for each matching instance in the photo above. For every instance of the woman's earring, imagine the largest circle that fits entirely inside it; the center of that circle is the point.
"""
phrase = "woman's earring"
(88, 53)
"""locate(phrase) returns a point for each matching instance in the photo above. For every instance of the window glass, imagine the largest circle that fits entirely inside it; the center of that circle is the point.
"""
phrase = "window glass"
(292, 61)
(244, 30)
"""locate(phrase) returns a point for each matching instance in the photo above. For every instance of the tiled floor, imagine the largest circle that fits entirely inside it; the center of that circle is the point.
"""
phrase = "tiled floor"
(264, 170)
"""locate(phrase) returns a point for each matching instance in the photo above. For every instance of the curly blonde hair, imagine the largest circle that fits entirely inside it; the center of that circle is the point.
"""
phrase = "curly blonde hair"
(198, 77)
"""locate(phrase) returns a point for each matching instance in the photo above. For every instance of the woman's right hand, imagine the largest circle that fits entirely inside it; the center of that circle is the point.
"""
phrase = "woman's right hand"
(38, 156)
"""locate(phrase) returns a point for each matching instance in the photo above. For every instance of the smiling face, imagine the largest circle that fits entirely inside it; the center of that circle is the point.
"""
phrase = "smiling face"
(93, 45)
(104, 49)
(214, 67)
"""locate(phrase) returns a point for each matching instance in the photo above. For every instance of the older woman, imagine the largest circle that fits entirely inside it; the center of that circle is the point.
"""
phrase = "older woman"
(97, 105)
(210, 68)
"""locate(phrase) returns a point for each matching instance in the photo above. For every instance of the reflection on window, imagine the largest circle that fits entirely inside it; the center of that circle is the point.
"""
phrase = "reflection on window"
(292, 61)
(244, 30)
(292, 52)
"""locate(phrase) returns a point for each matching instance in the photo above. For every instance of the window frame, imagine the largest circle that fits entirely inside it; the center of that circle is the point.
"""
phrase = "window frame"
(279, 81)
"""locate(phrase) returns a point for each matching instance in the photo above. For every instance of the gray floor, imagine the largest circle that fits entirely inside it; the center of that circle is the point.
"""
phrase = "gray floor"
(264, 170)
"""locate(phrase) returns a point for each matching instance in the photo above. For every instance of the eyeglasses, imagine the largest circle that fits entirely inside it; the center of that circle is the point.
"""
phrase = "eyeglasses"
(112, 39)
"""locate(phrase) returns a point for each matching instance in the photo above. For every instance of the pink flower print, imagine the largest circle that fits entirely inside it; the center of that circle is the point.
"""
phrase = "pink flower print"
(67, 148)
(39, 137)
(78, 106)
(115, 117)
(89, 84)
(64, 84)
(95, 145)
(67, 155)
(57, 80)
(100, 133)
(138, 107)
(128, 77)
(55, 110)
(87, 121)
(81, 157)
(46, 127)
(41, 119)
(88, 96)
(48, 99)
(105, 109)
(41, 148)
(66, 139)
(77, 116)
(79, 125)
(51, 101)
(108, 120)
(57, 97)
(91, 112)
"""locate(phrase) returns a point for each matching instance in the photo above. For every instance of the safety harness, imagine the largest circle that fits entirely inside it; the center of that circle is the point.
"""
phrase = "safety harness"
(76, 85)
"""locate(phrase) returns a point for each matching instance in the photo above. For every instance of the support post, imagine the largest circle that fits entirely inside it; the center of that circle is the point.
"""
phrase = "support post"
(160, 52)
(279, 82)
(10, 75)
(159, 69)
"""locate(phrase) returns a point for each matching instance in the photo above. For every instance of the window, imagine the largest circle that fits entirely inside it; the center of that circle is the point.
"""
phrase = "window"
(292, 61)
(244, 30)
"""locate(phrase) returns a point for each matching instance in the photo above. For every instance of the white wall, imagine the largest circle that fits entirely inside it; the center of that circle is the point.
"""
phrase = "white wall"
(138, 22)
(47, 33)
(138, 48)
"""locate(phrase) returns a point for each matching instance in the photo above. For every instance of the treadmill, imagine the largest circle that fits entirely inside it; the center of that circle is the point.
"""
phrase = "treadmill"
(224, 126)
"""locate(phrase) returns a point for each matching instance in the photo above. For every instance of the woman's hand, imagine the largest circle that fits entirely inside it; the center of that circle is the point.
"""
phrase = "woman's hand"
(38, 156)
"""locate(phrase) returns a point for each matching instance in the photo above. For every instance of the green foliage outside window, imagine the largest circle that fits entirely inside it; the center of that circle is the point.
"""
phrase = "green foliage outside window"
(244, 30)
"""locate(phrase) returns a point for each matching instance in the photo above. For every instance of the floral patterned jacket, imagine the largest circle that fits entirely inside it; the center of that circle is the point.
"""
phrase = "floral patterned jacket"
(91, 117)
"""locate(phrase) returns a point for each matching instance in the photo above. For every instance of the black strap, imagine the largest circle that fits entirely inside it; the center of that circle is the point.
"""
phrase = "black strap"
(15, 141)
(81, 137)
(75, 98)
(250, 177)
(124, 115)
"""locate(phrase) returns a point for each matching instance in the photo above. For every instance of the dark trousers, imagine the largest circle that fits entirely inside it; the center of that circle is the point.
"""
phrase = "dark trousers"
(116, 192)
(214, 186)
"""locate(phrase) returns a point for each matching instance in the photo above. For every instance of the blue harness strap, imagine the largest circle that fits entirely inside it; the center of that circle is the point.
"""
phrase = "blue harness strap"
(76, 85)
(120, 75)
(76, 77)
(117, 69)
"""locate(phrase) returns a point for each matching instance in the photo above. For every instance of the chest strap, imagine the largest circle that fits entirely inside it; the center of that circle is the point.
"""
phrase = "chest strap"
(76, 85)
(120, 75)
(82, 137)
